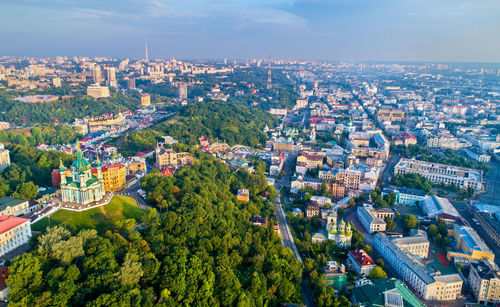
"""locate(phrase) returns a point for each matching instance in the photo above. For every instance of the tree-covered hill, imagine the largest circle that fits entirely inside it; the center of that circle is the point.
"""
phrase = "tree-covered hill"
(201, 252)
(226, 121)
(22, 113)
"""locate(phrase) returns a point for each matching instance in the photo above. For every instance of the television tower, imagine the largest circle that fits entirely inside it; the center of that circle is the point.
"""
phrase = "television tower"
(146, 45)
(269, 75)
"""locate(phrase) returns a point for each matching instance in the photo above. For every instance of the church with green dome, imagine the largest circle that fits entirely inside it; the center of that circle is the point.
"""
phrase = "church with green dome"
(80, 186)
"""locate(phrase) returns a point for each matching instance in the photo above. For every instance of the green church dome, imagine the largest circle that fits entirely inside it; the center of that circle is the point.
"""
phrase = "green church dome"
(80, 164)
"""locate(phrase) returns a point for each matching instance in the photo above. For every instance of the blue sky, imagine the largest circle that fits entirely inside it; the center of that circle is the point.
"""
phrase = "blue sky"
(350, 30)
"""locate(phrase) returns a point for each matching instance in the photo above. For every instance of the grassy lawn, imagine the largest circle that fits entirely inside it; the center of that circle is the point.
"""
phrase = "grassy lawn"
(101, 218)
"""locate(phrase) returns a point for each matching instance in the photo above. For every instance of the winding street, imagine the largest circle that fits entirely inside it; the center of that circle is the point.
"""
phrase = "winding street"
(286, 235)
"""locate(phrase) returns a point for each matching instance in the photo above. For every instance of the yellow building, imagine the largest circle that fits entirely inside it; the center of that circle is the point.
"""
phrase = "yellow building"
(145, 100)
(470, 245)
(389, 114)
(114, 177)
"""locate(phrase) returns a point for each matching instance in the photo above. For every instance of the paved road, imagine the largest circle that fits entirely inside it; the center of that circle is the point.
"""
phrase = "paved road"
(287, 237)
(132, 192)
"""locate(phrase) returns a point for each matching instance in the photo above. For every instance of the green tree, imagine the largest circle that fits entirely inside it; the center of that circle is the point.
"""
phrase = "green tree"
(390, 223)
(410, 221)
(131, 271)
(377, 272)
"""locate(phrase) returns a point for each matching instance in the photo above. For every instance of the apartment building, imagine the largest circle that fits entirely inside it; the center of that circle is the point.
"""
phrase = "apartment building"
(417, 245)
(337, 188)
(442, 173)
(484, 280)
(14, 232)
(427, 284)
(311, 159)
(114, 177)
(373, 219)
(390, 114)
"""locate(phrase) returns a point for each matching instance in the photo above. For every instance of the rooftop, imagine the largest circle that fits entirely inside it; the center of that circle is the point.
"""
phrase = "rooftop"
(6, 201)
(10, 222)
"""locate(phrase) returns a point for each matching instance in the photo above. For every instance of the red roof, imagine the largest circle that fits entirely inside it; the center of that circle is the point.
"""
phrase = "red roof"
(408, 135)
(314, 120)
(8, 222)
(361, 257)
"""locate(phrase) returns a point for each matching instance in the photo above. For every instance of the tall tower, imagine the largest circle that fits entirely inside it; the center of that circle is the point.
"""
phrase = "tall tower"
(146, 45)
(269, 75)
(111, 76)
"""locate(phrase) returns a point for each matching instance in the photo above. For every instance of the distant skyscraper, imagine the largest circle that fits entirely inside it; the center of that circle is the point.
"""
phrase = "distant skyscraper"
(183, 93)
(97, 74)
(131, 83)
(146, 51)
(111, 76)
(269, 85)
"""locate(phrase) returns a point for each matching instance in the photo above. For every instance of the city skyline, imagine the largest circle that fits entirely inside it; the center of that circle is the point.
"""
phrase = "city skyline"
(451, 31)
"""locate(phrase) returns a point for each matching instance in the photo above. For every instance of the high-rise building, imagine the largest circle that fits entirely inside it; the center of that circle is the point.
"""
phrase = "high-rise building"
(97, 91)
(111, 76)
(4, 157)
(183, 93)
(131, 83)
(145, 99)
(97, 74)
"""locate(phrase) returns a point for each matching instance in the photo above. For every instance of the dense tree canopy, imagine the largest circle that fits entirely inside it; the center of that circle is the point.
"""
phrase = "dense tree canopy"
(225, 121)
(29, 169)
(22, 113)
(202, 251)
(48, 134)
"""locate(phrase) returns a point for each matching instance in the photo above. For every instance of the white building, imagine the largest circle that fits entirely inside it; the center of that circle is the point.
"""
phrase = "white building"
(442, 173)
(434, 205)
(416, 245)
(360, 262)
(14, 232)
(97, 91)
(373, 219)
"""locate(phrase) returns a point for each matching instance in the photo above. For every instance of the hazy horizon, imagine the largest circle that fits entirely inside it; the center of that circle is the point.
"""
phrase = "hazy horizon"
(331, 30)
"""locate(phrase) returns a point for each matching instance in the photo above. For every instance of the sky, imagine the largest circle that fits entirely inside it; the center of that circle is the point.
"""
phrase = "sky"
(344, 30)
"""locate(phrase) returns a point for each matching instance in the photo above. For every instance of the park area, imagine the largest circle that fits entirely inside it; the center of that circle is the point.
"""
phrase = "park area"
(100, 218)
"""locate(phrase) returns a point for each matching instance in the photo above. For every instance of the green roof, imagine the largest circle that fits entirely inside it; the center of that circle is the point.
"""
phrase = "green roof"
(81, 164)
(6, 201)
(373, 295)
